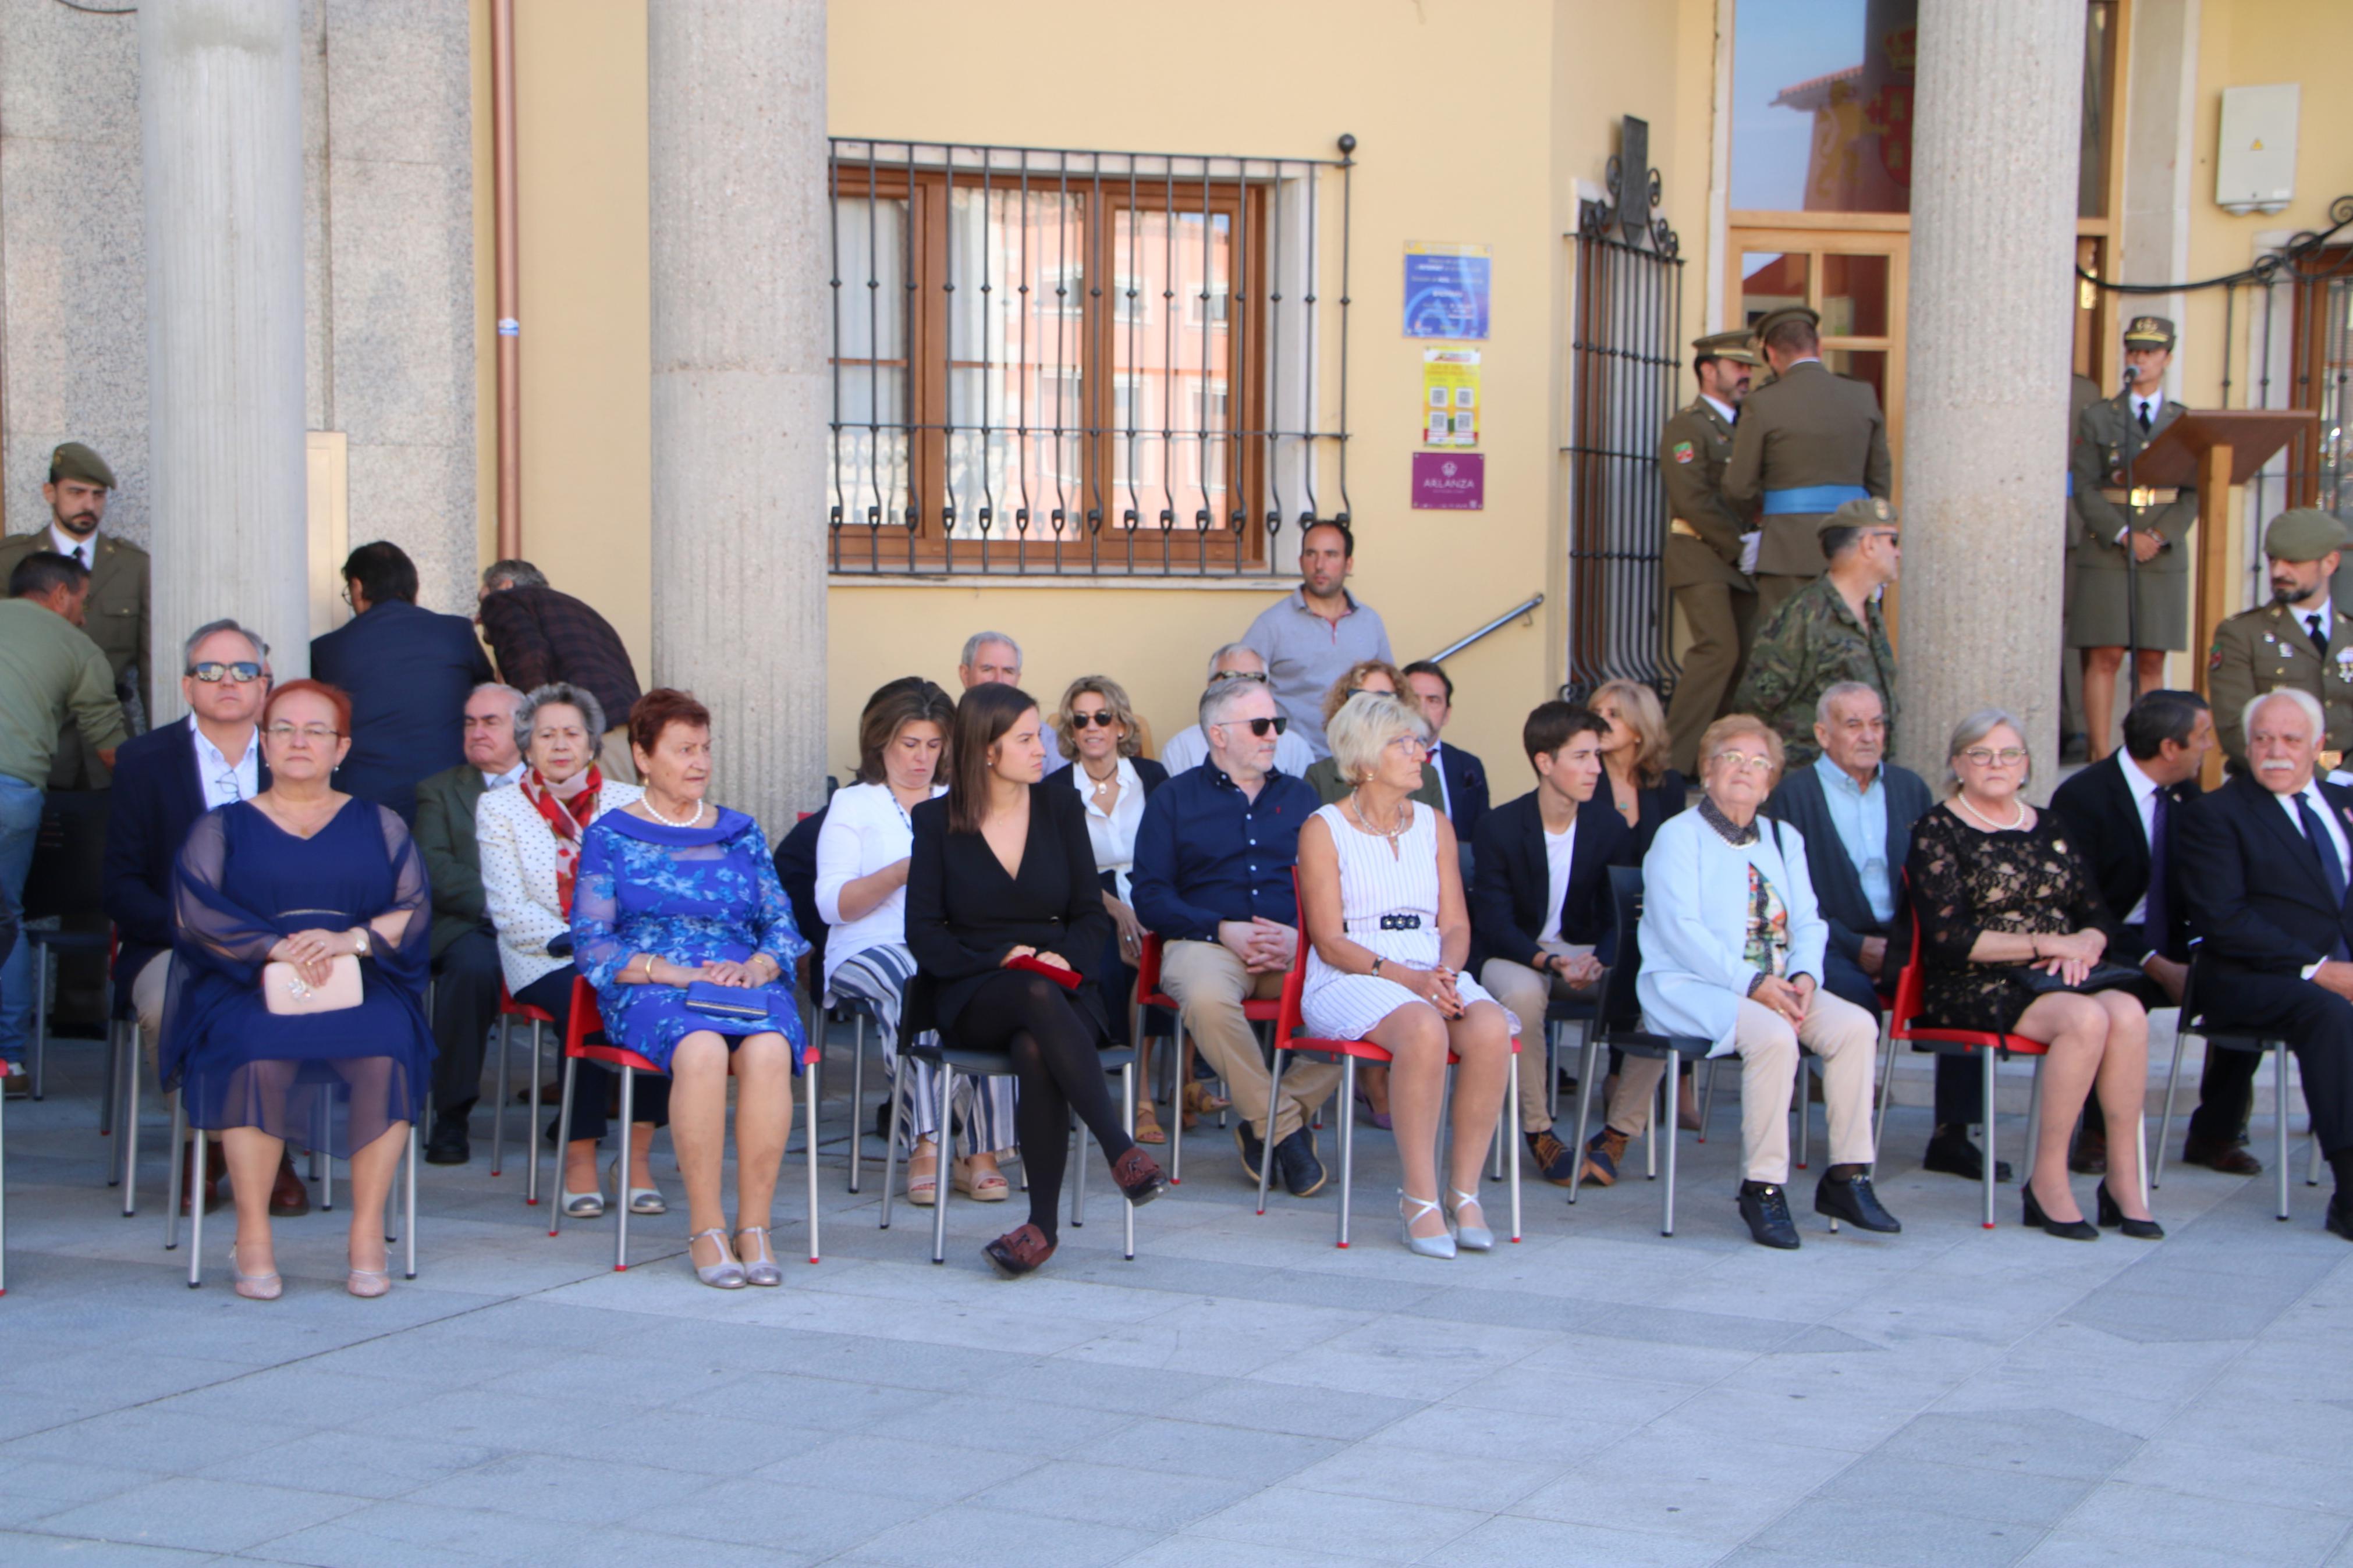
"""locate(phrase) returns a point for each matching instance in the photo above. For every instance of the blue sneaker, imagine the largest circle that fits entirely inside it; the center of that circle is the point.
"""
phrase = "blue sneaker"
(1601, 1156)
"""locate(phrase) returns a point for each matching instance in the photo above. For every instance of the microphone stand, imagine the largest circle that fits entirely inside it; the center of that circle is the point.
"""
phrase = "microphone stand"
(2132, 553)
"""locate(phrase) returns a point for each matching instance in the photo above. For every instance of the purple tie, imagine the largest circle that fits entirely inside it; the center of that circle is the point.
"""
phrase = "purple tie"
(2154, 929)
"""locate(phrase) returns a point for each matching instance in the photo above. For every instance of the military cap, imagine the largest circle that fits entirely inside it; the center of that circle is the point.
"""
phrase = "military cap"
(2148, 332)
(2305, 533)
(75, 461)
(1773, 318)
(1869, 512)
(1735, 346)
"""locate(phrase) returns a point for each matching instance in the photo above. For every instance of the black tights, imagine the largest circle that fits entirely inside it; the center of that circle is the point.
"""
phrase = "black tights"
(1055, 1058)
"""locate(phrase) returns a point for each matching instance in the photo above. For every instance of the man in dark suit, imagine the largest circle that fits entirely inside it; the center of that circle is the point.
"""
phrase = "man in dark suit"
(2263, 866)
(407, 671)
(1540, 904)
(163, 781)
(1462, 777)
(2121, 813)
(464, 944)
(1856, 810)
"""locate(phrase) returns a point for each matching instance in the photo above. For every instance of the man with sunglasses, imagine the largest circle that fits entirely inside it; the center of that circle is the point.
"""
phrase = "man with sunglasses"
(163, 781)
(1828, 631)
(1235, 661)
(1214, 857)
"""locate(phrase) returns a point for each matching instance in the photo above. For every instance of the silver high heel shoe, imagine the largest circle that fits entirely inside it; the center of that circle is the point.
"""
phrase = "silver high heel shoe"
(1427, 1245)
(642, 1200)
(724, 1274)
(1476, 1237)
(760, 1270)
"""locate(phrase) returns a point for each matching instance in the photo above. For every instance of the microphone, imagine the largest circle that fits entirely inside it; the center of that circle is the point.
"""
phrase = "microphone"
(2129, 378)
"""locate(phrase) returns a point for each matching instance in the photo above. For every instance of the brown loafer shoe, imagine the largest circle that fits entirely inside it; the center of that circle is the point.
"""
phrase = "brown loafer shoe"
(1139, 1175)
(2231, 1159)
(1019, 1252)
(288, 1197)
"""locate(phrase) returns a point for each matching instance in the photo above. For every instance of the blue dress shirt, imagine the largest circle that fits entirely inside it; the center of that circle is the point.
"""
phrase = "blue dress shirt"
(1860, 815)
(1205, 852)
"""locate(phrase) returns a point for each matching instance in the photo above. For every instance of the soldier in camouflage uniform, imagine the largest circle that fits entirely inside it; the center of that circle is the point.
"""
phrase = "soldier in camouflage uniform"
(1828, 631)
(2302, 639)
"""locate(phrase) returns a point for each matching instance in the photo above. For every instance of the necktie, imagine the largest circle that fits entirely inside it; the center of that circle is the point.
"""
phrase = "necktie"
(2154, 929)
(2144, 418)
(2318, 634)
(2332, 873)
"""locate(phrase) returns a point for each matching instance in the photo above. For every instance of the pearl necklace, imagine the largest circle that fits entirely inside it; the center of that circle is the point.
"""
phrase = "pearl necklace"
(646, 800)
(1404, 821)
(2010, 826)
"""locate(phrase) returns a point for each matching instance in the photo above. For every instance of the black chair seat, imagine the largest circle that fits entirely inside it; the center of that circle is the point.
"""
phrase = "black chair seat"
(68, 941)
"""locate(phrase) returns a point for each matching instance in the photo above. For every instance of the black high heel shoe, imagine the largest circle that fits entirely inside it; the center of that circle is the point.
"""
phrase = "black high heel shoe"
(2069, 1230)
(2114, 1218)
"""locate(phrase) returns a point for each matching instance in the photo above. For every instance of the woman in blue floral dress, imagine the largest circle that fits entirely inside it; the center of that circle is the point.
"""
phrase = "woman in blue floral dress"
(677, 911)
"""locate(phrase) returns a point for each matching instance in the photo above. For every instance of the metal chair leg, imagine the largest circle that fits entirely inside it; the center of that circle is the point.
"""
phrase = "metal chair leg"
(113, 1082)
(940, 1164)
(814, 1097)
(1127, 1090)
(1708, 1099)
(326, 1161)
(531, 1127)
(858, 1102)
(409, 1224)
(1512, 1110)
(1347, 1145)
(197, 1215)
(173, 1181)
(40, 1051)
(898, 1091)
(1584, 1108)
(1180, 1053)
(562, 1139)
(1078, 1186)
(130, 1150)
(1886, 1093)
(1668, 1082)
(2165, 1120)
(621, 1190)
(2312, 1170)
(2279, 1103)
(1987, 1179)
(1266, 1155)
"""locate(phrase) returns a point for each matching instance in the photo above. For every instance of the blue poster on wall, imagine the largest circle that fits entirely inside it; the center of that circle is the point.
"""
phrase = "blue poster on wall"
(1446, 291)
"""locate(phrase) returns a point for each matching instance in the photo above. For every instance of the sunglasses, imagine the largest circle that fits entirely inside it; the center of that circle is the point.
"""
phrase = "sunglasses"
(1257, 675)
(1262, 728)
(212, 671)
(1102, 716)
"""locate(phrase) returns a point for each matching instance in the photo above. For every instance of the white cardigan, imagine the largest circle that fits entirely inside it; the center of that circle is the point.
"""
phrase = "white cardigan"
(1695, 926)
(518, 850)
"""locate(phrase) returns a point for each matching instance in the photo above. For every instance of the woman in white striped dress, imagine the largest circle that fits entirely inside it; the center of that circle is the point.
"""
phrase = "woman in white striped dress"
(1380, 886)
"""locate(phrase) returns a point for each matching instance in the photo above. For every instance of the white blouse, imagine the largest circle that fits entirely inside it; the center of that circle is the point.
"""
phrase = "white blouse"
(865, 829)
(518, 853)
(1112, 833)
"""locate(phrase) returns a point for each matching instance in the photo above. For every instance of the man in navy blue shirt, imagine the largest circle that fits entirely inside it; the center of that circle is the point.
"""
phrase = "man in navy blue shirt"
(1213, 863)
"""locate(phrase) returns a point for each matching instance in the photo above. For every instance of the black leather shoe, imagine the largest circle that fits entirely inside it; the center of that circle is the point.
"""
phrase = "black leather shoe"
(2231, 1159)
(2065, 1230)
(1765, 1207)
(2340, 1216)
(1251, 1146)
(2090, 1155)
(1294, 1158)
(2112, 1218)
(1951, 1153)
(1854, 1202)
(449, 1145)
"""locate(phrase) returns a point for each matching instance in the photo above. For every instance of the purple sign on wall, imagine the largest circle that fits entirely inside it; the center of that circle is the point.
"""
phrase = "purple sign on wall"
(1449, 482)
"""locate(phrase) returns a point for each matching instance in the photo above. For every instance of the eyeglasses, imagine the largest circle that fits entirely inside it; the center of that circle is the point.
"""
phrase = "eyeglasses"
(1889, 534)
(1410, 743)
(213, 671)
(309, 734)
(1257, 675)
(1986, 756)
(1104, 717)
(1262, 728)
(1740, 762)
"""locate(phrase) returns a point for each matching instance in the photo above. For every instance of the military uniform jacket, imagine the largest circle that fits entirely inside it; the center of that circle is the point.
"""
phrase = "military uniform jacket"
(116, 619)
(1693, 448)
(1808, 428)
(2267, 648)
(1808, 645)
(2105, 433)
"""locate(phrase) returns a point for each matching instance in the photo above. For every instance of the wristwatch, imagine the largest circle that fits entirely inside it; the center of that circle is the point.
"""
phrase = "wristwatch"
(361, 932)
(1375, 970)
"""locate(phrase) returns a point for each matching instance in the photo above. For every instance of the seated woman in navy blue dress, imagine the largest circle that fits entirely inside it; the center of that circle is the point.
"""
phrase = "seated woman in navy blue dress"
(672, 893)
(303, 875)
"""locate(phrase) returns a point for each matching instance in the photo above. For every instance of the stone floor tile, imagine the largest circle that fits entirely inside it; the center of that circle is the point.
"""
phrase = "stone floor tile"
(565, 1491)
(207, 1515)
(1826, 1528)
(930, 1472)
(2024, 1498)
(1305, 1410)
(1195, 1448)
(1387, 1530)
(811, 1521)
(1161, 1501)
(1718, 1511)
(1510, 1542)
(2261, 1533)
(27, 1549)
(1479, 1481)
(974, 1537)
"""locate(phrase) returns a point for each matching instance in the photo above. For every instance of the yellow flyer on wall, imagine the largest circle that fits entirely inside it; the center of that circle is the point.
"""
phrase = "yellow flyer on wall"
(1450, 397)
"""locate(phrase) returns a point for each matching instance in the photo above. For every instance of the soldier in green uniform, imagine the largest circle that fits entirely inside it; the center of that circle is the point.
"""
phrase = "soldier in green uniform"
(2152, 521)
(1706, 535)
(1807, 441)
(1830, 630)
(2301, 640)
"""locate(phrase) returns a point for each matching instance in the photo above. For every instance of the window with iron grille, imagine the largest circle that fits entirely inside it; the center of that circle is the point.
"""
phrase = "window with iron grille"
(1081, 361)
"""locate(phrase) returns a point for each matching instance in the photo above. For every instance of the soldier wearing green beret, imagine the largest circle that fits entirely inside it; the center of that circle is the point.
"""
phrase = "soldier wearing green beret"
(116, 614)
(2114, 516)
(1807, 442)
(2301, 640)
(1828, 631)
(1706, 535)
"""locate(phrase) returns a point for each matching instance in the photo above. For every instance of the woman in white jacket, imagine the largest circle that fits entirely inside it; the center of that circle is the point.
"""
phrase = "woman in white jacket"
(1732, 953)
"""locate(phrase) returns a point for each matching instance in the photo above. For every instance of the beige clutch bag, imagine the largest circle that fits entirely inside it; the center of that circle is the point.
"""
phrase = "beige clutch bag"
(283, 989)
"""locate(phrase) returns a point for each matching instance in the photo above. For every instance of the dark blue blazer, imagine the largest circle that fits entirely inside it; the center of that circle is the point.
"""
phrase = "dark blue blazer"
(408, 672)
(1466, 790)
(2262, 909)
(1514, 883)
(158, 796)
(1838, 884)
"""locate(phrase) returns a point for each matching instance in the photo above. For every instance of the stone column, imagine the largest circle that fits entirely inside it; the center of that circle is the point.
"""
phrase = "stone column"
(1999, 96)
(220, 121)
(737, 166)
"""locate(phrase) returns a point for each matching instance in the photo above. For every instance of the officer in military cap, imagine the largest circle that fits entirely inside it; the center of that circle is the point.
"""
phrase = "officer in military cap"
(1706, 538)
(2303, 638)
(2116, 512)
(1807, 442)
(1830, 630)
(116, 617)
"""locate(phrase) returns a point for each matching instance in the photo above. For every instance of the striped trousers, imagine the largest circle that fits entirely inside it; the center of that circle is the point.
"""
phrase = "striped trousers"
(983, 1106)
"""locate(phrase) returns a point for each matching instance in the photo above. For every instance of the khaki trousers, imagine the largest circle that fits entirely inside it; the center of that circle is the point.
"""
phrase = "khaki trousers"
(1722, 621)
(1842, 1035)
(1524, 994)
(1208, 984)
(614, 759)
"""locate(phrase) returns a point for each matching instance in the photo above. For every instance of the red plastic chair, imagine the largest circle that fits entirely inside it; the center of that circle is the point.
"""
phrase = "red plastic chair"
(1988, 1046)
(510, 1010)
(587, 1021)
(1149, 994)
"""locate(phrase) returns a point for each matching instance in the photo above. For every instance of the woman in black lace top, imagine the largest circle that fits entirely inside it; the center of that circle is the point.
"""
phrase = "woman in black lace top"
(1998, 892)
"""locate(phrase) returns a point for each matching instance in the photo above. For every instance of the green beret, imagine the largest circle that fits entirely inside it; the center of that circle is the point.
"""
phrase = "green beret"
(1869, 512)
(2307, 533)
(1734, 346)
(1773, 318)
(75, 461)
(2148, 332)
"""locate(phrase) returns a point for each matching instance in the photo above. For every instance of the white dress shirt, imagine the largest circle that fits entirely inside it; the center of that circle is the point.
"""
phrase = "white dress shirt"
(1113, 832)
(492, 780)
(225, 782)
(82, 550)
(1730, 415)
(1445, 794)
(2143, 793)
(865, 829)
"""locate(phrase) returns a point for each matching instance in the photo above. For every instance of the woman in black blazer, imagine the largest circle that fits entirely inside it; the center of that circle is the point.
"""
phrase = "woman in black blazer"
(1002, 870)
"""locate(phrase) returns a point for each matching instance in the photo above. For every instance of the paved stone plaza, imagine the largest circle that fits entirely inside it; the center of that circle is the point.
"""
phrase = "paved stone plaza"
(1241, 1394)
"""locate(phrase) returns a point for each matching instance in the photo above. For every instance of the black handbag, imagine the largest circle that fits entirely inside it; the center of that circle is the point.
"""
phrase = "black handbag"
(2104, 976)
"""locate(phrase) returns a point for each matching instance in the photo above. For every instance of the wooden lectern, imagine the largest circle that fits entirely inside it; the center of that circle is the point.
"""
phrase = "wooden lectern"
(2215, 449)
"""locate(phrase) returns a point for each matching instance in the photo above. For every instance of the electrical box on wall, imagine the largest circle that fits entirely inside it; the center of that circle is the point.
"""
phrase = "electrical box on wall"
(2254, 165)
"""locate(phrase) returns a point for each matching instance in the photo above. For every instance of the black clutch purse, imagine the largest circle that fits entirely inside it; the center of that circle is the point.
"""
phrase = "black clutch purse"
(2104, 976)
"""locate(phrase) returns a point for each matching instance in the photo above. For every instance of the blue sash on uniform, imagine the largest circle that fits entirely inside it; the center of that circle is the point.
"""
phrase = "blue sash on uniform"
(1811, 498)
(2071, 484)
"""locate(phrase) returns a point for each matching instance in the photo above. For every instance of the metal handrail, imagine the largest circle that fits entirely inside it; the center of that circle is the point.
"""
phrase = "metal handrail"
(1513, 613)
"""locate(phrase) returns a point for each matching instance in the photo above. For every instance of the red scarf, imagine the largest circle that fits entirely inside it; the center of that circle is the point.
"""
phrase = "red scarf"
(565, 818)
